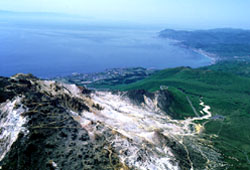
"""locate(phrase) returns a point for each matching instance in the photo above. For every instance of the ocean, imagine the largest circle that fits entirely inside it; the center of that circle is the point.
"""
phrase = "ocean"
(48, 49)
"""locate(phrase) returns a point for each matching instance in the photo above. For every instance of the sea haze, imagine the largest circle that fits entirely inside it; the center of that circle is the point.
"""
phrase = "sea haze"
(52, 48)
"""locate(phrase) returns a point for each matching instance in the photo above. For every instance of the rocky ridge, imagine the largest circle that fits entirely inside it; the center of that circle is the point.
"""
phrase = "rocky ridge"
(51, 125)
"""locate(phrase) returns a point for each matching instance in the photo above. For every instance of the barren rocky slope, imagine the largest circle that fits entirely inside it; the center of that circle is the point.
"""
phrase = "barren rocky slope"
(50, 125)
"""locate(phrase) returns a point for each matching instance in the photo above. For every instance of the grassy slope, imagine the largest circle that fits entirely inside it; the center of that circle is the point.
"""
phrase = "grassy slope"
(226, 93)
(241, 68)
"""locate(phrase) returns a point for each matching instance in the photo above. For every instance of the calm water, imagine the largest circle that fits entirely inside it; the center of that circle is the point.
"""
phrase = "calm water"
(51, 49)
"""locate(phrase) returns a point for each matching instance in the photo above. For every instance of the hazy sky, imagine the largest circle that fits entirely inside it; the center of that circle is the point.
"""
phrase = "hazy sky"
(211, 13)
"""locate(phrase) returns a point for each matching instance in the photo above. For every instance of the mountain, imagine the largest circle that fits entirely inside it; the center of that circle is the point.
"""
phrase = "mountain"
(51, 125)
(223, 86)
(220, 44)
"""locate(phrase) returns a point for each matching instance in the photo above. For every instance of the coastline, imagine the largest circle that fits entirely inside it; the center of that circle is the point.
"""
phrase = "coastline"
(211, 56)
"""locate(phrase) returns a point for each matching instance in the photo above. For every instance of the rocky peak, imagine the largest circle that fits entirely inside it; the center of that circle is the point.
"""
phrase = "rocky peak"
(51, 125)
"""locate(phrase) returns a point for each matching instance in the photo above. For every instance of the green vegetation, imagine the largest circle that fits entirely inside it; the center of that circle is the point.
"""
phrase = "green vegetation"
(223, 86)
(180, 106)
(241, 68)
(228, 95)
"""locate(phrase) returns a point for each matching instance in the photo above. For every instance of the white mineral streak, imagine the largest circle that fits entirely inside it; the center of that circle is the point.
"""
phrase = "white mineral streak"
(134, 126)
(11, 124)
(54, 165)
(56, 88)
(138, 124)
(141, 124)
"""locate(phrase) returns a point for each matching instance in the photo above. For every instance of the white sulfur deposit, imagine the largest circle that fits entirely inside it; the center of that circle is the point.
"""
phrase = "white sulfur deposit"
(11, 124)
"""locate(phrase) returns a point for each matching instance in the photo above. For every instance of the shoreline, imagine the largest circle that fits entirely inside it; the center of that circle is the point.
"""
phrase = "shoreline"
(211, 56)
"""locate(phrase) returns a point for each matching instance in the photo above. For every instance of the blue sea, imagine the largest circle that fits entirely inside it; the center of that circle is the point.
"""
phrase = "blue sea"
(48, 49)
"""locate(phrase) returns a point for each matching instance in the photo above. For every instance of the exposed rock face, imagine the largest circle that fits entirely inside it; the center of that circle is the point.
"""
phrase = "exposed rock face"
(138, 96)
(52, 139)
(49, 125)
(162, 99)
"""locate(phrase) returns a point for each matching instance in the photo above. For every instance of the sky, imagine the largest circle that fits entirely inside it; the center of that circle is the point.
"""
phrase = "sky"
(192, 13)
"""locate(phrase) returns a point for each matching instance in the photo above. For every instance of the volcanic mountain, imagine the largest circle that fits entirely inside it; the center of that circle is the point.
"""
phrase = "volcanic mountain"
(51, 125)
